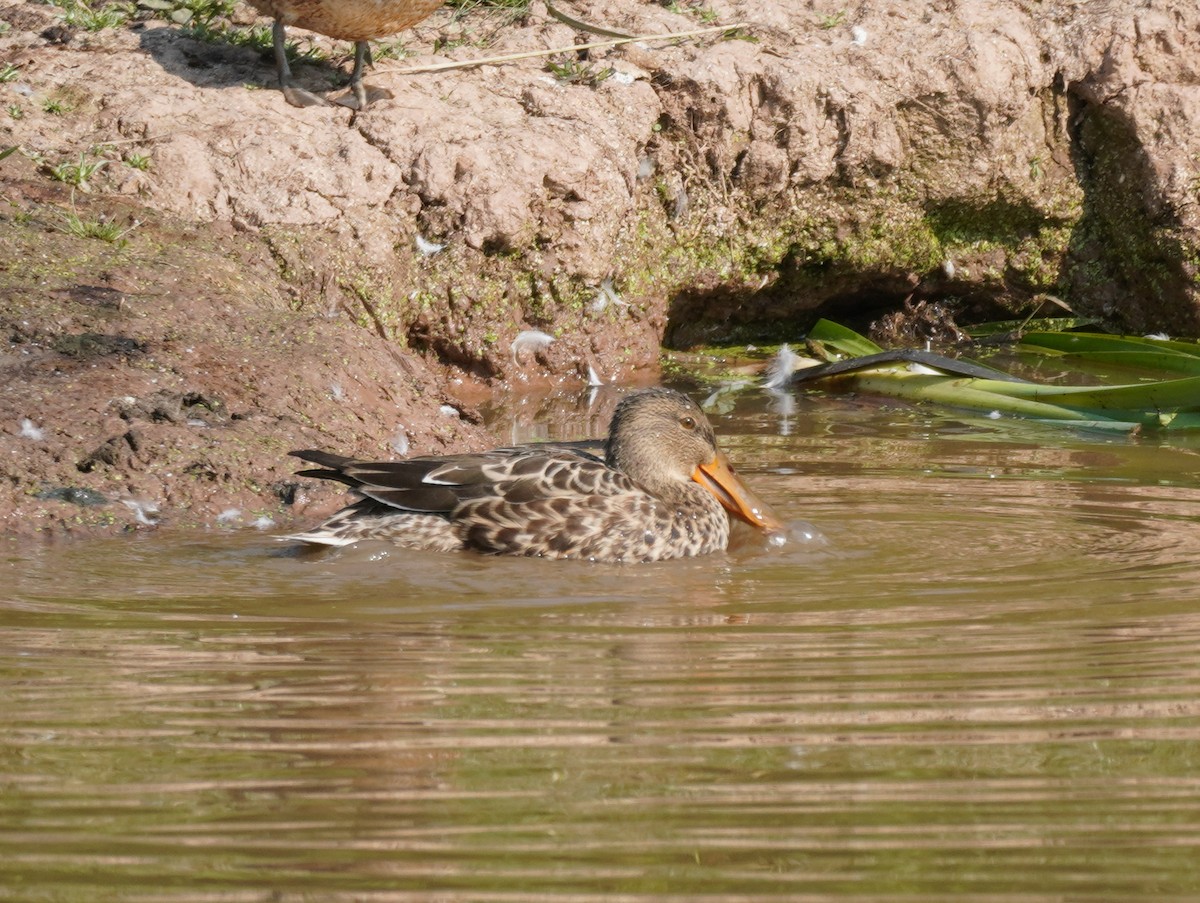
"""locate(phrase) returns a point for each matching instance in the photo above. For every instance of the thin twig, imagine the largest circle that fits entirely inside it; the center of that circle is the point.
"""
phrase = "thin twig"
(573, 48)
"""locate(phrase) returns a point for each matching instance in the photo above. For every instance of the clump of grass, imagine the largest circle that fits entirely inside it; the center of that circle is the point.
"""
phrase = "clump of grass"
(696, 8)
(389, 50)
(256, 37)
(15, 111)
(442, 44)
(95, 15)
(502, 11)
(208, 21)
(519, 6)
(739, 34)
(9, 73)
(75, 173)
(55, 107)
(134, 160)
(103, 229)
(577, 72)
(191, 12)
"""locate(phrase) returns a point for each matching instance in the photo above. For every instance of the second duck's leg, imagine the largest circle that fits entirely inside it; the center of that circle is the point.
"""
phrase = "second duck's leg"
(297, 97)
(357, 98)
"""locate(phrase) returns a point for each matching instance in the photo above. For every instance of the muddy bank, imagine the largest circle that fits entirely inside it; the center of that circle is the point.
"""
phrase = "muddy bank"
(196, 277)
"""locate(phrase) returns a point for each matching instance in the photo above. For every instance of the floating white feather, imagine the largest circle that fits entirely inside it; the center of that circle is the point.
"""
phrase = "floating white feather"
(400, 441)
(532, 340)
(607, 294)
(781, 368)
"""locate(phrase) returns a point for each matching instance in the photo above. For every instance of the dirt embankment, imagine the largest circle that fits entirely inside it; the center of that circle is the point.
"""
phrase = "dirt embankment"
(316, 277)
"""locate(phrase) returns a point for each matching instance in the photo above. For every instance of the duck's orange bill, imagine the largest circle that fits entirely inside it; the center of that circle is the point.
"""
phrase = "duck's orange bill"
(717, 477)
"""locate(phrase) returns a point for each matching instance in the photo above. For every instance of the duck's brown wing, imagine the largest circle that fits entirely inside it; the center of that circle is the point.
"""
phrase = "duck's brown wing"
(399, 484)
(440, 485)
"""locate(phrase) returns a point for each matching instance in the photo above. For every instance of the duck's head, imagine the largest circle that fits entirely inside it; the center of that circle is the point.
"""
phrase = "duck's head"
(661, 439)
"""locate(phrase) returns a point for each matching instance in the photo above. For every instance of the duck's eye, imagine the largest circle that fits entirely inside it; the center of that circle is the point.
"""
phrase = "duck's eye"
(688, 423)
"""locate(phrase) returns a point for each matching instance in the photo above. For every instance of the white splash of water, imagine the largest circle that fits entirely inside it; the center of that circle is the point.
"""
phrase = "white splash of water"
(229, 515)
(143, 511)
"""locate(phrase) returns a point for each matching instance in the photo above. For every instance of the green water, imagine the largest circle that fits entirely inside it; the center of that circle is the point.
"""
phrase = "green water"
(972, 674)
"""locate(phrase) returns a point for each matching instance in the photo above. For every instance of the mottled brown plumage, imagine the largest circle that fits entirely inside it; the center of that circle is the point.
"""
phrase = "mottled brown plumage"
(657, 488)
(346, 20)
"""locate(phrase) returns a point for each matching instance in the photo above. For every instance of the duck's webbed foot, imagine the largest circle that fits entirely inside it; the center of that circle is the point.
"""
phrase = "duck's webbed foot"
(359, 97)
(297, 97)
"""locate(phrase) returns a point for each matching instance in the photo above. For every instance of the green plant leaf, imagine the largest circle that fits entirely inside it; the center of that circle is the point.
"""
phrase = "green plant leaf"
(1170, 395)
(842, 339)
(1156, 404)
(1095, 342)
(1156, 362)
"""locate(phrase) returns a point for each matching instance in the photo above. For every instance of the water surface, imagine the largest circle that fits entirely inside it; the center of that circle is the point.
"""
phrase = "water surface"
(973, 674)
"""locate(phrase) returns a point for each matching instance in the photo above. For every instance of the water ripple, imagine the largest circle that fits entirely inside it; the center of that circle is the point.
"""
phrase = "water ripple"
(978, 680)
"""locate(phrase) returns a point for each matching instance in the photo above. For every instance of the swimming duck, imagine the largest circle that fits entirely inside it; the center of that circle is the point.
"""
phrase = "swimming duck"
(657, 488)
(346, 20)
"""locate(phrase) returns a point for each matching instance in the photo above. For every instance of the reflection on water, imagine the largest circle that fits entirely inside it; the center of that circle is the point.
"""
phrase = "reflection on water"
(977, 678)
